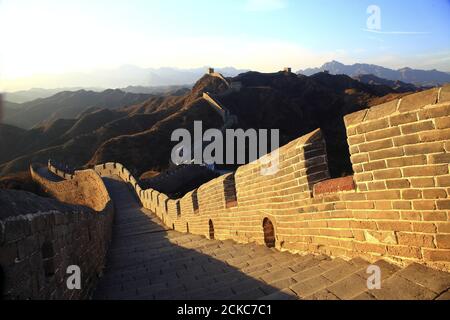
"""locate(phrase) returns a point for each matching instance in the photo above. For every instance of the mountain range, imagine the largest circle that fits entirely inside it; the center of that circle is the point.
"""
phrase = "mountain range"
(408, 75)
(67, 104)
(84, 128)
(23, 96)
(121, 78)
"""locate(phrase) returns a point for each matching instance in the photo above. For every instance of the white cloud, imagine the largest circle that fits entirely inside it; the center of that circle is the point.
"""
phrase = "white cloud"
(265, 5)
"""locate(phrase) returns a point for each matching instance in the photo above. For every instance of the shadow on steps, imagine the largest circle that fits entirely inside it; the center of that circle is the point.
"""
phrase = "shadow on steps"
(148, 261)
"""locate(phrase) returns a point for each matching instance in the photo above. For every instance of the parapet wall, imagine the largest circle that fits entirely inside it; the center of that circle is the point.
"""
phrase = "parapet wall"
(60, 173)
(82, 188)
(398, 210)
(220, 76)
(216, 106)
(37, 248)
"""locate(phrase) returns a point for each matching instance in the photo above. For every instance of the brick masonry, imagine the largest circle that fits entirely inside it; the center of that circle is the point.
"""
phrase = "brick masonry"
(397, 207)
(37, 248)
(397, 210)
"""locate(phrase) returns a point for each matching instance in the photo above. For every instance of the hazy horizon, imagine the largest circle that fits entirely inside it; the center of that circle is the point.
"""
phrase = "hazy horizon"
(49, 42)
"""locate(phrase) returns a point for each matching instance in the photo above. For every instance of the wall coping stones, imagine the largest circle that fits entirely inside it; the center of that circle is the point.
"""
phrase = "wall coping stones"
(406, 104)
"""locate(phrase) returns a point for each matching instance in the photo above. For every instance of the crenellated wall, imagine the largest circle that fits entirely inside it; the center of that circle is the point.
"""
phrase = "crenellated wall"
(83, 188)
(216, 106)
(220, 76)
(37, 247)
(396, 207)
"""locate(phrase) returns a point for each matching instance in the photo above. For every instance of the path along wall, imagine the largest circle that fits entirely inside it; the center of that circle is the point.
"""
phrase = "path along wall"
(396, 207)
(37, 248)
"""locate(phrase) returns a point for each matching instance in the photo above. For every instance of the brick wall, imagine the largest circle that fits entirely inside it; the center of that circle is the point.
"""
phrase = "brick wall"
(215, 105)
(37, 248)
(83, 188)
(397, 208)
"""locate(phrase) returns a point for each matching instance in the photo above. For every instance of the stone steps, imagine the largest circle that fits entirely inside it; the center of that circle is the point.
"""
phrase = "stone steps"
(148, 261)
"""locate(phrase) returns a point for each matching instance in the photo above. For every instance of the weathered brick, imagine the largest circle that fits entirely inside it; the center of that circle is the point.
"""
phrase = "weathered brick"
(411, 194)
(387, 174)
(415, 240)
(383, 205)
(357, 139)
(382, 110)
(434, 194)
(374, 165)
(363, 224)
(385, 215)
(422, 182)
(397, 184)
(362, 177)
(442, 123)
(370, 247)
(402, 205)
(372, 126)
(424, 227)
(435, 112)
(359, 158)
(351, 131)
(377, 185)
(444, 94)
(403, 118)
(431, 170)
(355, 118)
(354, 150)
(386, 153)
(435, 135)
(383, 195)
(443, 204)
(417, 100)
(407, 161)
(362, 187)
(436, 255)
(406, 140)
(394, 225)
(383, 134)
(360, 205)
(439, 158)
(434, 215)
(443, 241)
(424, 205)
(405, 251)
(417, 127)
(443, 181)
(377, 145)
(410, 216)
(443, 227)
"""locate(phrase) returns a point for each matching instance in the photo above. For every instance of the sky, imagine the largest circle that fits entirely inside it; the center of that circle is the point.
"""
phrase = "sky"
(41, 37)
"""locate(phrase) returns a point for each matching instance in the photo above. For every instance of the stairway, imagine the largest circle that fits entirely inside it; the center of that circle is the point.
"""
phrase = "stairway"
(146, 260)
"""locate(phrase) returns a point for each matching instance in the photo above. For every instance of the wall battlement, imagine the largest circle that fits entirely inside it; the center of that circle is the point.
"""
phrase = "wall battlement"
(38, 247)
(212, 73)
(397, 209)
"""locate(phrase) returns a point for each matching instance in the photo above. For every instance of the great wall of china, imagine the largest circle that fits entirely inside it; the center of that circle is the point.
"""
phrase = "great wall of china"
(396, 207)
(37, 248)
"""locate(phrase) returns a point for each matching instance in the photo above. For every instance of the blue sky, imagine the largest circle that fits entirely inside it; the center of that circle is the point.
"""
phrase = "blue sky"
(57, 36)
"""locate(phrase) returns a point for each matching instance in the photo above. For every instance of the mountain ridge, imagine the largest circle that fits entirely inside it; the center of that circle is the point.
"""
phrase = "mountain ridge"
(139, 135)
(406, 74)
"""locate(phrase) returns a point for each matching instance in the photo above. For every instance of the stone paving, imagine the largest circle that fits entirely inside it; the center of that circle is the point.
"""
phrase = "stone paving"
(148, 261)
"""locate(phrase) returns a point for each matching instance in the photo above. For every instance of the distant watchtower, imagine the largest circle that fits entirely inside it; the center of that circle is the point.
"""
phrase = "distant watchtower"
(210, 70)
(288, 70)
